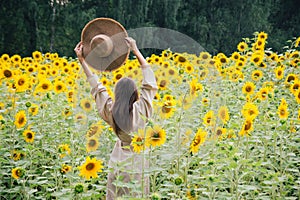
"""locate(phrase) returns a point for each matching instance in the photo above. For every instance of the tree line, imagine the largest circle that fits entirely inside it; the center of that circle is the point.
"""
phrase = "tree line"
(218, 25)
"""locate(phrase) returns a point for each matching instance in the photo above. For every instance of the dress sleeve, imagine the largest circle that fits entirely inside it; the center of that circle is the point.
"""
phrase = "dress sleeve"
(148, 91)
(102, 99)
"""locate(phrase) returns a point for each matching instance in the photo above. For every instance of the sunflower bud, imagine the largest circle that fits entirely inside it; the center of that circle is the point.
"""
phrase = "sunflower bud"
(79, 188)
(178, 181)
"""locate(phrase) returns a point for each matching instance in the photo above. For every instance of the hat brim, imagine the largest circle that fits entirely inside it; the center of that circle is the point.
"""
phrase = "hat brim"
(117, 34)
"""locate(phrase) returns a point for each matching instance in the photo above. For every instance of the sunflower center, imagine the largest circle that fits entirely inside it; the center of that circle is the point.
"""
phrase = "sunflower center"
(171, 72)
(282, 112)
(21, 82)
(219, 132)
(279, 73)
(248, 89)
(295, 87)
(19, 172)
(29, 135)
(208, 120)
(87, 105)
(92, 143)
(155, 135)
(7, 73)
(223, 60)
(181, 59)
(290, 78)
(59, 87)
(21, 120)
(251, 112)
(90, 166)
(45, 86)
(166, 108)
(256, 60)
(163, 83)
(247, 126)
(197, 141)
(118, 76)
(204, 56)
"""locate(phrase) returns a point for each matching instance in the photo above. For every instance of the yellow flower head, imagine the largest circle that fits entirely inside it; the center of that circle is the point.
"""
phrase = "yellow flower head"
(20, 119)
(155, 136)
(90, 168)
(138, 141)
(63, 150)
(29, 135)
(92, 144)
(17, 173)
(199, 139)
(248, 88)
(223, 114)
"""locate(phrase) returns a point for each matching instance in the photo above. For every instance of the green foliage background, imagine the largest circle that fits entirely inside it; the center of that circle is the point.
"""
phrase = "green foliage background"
(55, 25)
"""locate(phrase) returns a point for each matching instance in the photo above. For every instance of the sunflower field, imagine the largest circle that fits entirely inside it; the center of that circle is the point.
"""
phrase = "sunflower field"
(224, 126)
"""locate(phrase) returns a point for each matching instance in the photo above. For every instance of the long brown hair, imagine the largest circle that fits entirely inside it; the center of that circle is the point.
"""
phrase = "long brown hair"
(125, 95)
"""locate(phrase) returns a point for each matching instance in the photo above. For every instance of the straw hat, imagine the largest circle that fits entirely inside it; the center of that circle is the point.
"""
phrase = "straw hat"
(104, 45)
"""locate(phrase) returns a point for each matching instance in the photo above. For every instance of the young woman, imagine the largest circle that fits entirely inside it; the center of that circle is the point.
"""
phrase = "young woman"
(126, 114)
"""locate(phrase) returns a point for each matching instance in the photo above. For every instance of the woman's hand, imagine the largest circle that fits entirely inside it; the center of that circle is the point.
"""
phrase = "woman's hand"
(131, 44)
(78, 50)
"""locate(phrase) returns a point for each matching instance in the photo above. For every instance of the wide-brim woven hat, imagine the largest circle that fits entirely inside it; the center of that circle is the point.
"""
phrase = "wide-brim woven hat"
(104, 45)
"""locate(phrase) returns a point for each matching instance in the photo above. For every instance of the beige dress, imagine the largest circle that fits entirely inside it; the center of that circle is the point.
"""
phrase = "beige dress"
(124, 163)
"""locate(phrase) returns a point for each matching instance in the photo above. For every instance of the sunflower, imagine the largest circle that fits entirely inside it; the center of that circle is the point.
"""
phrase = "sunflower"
(242, 46)
(81, 118)
(44, 86)
(63, 150)
(5, 58)
(33, 109)
(209, 118)
(247, 127)
(59, 87)
(262, 36)
(162, 83)
(17, 173)
(167, 109)
(263, 93)
(223, 114)
(6, 73)
(283, 112)
(92, 144)
(199, 139)
(250, 111)
(65, 168)
(28, 136)
(256, 75)
(155, 136)
(94, 130)
(90, 168)
(235, 56)
(221, 132)
(86, 104)
(16, 59)
(180, 59)
(257, 58)
(66, 112)
(189, 68)
(248, 88)
(195, 87)
(17, 155)
(205, 101)
(20, 119)
(37, 56)
(279, 72)
(204, 56)
(138, 141)
(290, 78)
(283, 109)
(21, 83)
